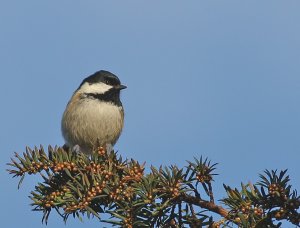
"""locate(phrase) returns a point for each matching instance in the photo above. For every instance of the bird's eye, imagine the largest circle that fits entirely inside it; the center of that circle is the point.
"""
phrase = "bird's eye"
(107, 82)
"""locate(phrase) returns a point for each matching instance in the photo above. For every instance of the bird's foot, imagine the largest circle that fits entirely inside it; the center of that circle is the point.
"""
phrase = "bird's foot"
(66, 147)
(76, 149)
(109, 148)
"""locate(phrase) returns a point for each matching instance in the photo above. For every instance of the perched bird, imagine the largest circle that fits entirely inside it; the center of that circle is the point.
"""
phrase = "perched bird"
(94, 115)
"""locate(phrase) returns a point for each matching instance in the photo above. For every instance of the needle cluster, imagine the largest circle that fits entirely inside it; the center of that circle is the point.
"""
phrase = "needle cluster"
(77, 184)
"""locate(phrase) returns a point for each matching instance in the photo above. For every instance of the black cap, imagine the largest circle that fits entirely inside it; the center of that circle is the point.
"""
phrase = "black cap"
(102, 76)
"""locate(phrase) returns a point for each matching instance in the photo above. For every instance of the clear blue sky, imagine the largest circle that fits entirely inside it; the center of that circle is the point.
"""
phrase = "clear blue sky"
(213, 78)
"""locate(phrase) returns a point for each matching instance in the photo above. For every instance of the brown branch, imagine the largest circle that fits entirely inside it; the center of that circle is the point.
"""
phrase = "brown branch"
(211, 194)
(204, 204)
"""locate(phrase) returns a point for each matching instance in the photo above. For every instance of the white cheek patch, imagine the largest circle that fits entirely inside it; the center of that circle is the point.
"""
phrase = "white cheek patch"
(96, 88)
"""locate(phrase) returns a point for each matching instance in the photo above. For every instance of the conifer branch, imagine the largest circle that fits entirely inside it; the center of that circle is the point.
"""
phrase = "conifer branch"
(76, 184)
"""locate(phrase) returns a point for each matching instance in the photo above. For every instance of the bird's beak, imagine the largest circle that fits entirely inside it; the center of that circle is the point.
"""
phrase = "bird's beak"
(120, 87)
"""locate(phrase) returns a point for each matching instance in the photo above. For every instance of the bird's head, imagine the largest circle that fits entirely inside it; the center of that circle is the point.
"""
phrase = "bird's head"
(100, 82)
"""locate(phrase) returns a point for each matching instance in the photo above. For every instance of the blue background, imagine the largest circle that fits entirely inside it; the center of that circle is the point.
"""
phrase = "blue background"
(213, 78)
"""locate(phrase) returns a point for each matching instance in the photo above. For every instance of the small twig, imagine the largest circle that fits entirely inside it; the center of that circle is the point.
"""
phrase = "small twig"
(180, 215)
(192, 210)
(172, 214)
(204, 204)
(211, 194)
